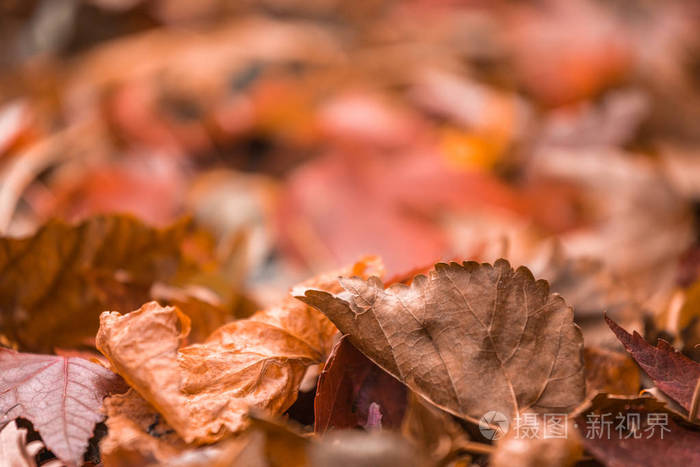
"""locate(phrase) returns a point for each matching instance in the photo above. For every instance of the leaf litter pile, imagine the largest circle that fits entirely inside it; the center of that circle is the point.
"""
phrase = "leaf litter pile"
(372, 233)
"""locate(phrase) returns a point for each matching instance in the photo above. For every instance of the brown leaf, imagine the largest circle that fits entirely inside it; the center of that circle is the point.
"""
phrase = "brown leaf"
(358, 449)
(636, 443)
(204, 390)
(672, 372)
(610, 372)
(274, 443)
(436, 432)
(686, 324)
(55, 283)
(463, 324)
(590, 288)
(61, 396)
(515, 449)
(348, 386)
(136, 433)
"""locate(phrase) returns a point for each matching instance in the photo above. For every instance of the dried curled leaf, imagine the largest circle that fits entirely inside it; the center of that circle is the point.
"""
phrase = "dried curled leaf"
(204, 390)
(54, 284)
(61, 396)
(469, 337)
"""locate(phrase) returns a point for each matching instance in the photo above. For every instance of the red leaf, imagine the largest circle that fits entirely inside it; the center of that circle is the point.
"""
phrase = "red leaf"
(61, 396)
(672, 372)
(625, 442)
(353, 391)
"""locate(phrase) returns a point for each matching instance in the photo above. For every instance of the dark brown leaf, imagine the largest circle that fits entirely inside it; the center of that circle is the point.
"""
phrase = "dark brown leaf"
(348, 386)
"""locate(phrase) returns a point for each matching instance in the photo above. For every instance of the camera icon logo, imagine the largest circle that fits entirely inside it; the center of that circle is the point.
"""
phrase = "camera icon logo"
(493, 425)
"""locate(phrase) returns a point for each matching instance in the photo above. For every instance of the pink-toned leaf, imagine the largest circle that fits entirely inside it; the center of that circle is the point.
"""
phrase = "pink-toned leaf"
(672, 372)
(61, 396)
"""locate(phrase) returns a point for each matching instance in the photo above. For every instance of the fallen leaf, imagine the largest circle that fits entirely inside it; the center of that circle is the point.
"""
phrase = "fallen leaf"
(522, 451)
(149, 187)
(55, 283)
(349, 386)
(14, 450)
(590, 289)
(359, 449)
(281, 445)
(686, 322)
(136, 433)
(641, 246)
(597, 52)
(401, 213)
(204, 390)
(624, 441)
(610, 372)
(436, 432)
(275, 443)
(463, 324)
(61, 396)
(585, 282)
(672, 372)
(206, 316)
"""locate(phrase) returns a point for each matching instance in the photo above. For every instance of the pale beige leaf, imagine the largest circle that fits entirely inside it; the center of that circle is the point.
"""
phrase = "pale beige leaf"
(14, 451)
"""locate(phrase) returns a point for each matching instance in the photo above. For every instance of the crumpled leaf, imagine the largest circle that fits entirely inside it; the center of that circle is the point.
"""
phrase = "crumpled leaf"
(469, 337)
(61, 396)
(672, 372)
(204, 390)
(54, 284)
(669, 443)
(349, 386)
(136, 433)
